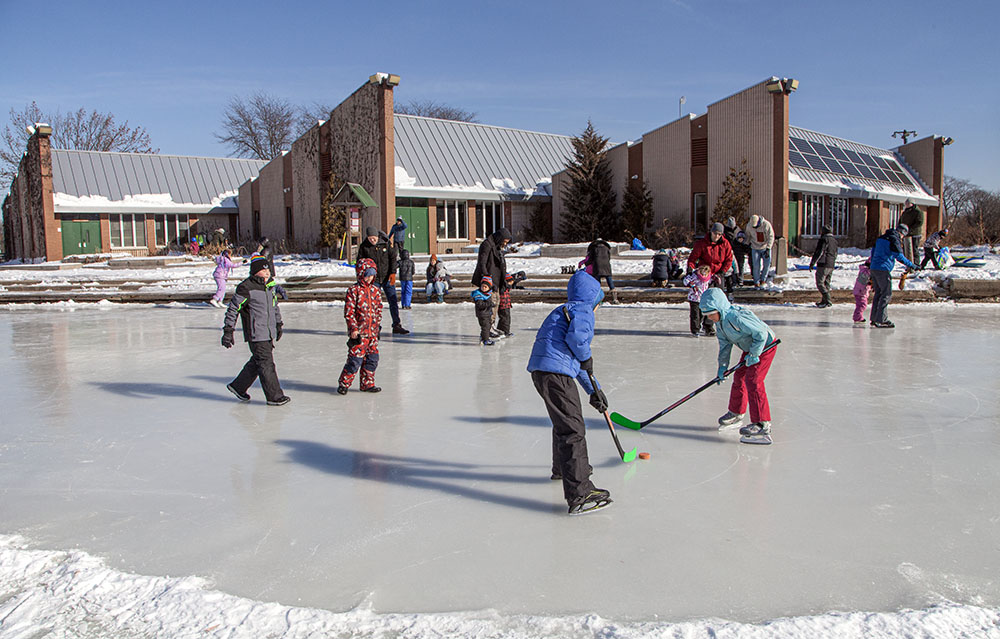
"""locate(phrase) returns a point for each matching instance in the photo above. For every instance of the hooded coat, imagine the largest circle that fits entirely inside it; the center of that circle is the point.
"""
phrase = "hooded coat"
(887, 251)
(382, 254)
(599, 258)
(491, 260)
(717, 255)
(825, 254)
(363, 304)
(736, 326)
(563, 340)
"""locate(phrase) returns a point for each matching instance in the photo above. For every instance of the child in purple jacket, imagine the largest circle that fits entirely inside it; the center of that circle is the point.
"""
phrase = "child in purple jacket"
(224, 266)
(862, 289)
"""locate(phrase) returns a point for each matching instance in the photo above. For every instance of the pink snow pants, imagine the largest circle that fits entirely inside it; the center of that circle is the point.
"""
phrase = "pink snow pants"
(860, 304)
(220, 284)
(748, 388)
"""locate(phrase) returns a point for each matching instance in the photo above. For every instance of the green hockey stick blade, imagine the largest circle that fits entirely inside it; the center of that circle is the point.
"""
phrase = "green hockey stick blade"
(621, 420)
(630, 455)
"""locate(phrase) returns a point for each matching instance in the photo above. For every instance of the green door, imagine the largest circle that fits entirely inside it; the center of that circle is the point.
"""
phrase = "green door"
(417, 238)
(81, 237)
(793, 225)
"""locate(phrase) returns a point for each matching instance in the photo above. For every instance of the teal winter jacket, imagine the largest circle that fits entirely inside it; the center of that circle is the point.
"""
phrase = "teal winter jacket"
(736, 326)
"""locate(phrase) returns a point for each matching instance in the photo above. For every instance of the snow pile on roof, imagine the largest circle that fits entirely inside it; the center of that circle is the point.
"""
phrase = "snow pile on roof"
(140, 203)
(403, 179)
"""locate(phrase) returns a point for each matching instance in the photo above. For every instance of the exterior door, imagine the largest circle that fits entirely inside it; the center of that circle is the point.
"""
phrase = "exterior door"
(417, 237)
(793, 224)
(81, 238)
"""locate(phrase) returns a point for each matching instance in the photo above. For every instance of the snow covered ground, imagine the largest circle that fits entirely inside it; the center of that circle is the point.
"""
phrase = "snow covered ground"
(140, 499)
(198, 275)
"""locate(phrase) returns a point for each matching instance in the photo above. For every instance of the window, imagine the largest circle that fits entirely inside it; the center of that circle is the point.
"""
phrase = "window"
(840, 215)
(452, 220)
(169, 228)
(256, 224)
(893, 215)
(127, 230)
(289, 223)
(699, 205)
(489, 218)
(814, 214)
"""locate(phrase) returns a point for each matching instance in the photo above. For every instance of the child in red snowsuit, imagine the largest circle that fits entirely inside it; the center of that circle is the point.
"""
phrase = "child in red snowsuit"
(363, 312)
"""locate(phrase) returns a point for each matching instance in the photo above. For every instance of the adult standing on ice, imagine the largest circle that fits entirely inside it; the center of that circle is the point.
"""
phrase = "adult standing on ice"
(561, 352)
(491, 261)
(377, 248)
(887, 251)
(735, 325)
(256, 304)
(223, 267)
(824, 260)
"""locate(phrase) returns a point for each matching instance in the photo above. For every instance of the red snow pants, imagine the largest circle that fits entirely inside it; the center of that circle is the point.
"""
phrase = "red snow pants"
(748, 388)
(363, 356)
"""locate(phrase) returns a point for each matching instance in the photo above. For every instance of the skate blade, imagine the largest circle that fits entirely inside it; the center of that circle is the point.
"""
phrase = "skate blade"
(592, 506)
(730, 426)
(756, 439)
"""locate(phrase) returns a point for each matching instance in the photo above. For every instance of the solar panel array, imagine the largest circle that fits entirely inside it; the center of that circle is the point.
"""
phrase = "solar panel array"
(842, 161)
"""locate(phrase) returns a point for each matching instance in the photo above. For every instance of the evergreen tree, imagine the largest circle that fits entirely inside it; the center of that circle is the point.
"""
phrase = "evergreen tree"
(589, 197)
(637, 208)
(735, 197)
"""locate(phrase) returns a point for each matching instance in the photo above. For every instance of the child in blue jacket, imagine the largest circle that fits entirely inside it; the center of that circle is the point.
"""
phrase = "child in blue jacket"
(561, 353)
(735, 325)
(482, 297)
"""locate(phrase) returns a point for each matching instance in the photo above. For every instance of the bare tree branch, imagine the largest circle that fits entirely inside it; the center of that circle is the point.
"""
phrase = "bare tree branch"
(261, 126)
(432, 109)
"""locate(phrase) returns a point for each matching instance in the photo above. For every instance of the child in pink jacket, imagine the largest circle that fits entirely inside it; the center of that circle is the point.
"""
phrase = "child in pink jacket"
(223, 267)
(862, 289)
(699, 281)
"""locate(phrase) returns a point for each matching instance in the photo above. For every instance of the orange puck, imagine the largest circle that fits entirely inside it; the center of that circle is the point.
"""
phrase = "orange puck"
(643, 455)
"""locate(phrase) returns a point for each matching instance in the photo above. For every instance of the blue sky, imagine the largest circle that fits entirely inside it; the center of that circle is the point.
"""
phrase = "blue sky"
(865, 69)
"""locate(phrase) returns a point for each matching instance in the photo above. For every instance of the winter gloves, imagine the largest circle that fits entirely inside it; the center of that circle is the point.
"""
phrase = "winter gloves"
(720, 376)
(598, 400)
(751, 359)
(278, 338)
(588, 365)
(227, 338)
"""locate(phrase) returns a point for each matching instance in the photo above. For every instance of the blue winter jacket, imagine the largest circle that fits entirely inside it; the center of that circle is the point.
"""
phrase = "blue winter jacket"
(887, 251)
(736, 325)
(563, 340)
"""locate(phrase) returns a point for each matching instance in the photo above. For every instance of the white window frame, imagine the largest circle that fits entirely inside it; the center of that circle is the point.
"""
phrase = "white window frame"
(493, 211)
(453, 210)
(894, 214)
(127, 240)
(171, 227)
(840, 215)
(813, 207)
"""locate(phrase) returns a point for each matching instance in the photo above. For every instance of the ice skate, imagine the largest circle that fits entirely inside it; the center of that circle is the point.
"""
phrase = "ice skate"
(885, 324)
(594, 500)
(372, 389)
(342, 390)
(730, 419)
(487, 342)
(860, 323)
(756, 433)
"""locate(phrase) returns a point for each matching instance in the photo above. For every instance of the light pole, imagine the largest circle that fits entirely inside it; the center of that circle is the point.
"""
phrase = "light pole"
(680, 103)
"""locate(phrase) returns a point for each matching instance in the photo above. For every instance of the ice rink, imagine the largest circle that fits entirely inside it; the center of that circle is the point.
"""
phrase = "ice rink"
(879, 493)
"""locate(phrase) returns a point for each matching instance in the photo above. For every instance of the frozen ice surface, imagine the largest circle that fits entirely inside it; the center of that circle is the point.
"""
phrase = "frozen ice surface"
(119, 440)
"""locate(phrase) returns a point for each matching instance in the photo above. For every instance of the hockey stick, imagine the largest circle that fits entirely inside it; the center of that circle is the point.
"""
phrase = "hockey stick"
(621, 420)
(626, 457)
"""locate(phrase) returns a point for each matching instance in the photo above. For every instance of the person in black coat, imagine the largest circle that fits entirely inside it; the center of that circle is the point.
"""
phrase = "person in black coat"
(661, 268)
(493, 263)
(824, 260)
(598, 264)
(377, 248)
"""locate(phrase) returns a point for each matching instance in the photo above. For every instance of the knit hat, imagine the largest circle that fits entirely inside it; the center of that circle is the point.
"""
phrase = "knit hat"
(257, 263)
(944, 231)
(487, 280)
(903, 229)
(718, 228)
(371, 231)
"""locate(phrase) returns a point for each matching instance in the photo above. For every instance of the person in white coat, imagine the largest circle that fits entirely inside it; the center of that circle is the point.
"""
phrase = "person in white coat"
(761, 236)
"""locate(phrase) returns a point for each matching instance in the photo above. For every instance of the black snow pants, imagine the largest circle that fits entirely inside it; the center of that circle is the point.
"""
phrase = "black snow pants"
(823, 276)
(260, 365)
(699, 321)
(882, 286)
(569, 436)
(503, 320)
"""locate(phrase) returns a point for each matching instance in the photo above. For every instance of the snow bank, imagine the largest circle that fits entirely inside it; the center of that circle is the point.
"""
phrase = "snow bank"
(71, 593)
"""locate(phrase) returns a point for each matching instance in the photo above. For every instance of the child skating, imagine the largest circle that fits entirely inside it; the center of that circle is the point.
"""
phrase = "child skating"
(406, 269)
(735, 325)
(560, 355)
(862, 289)
(482, 297)
(223, 267)
(255, 302)
(699, 281)
(503, 311)
(363, 313)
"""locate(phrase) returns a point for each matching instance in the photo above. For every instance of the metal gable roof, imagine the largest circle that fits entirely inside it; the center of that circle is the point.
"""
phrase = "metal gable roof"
(450, 158)
(804, 179)
(97, 181)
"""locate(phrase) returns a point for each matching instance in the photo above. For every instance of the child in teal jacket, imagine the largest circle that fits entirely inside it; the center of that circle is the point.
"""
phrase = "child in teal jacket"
(737, 326)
